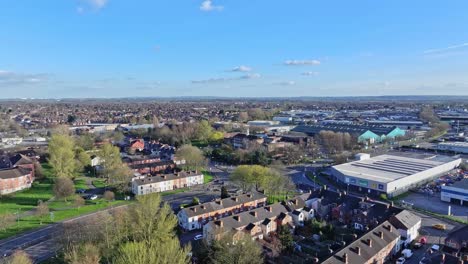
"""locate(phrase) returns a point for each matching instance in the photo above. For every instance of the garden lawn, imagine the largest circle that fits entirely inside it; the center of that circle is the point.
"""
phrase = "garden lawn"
(207, 177)
(26, 200)
(174, 191)
(80, 184)
(99, 183)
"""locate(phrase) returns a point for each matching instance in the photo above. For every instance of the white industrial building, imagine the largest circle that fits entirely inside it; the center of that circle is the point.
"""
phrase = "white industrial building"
(457, 192)
(393, 174)
(458, 147)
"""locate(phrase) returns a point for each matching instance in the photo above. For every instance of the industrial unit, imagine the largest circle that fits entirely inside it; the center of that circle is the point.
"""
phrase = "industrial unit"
(392, 174)
(457, 192)
(457, 147)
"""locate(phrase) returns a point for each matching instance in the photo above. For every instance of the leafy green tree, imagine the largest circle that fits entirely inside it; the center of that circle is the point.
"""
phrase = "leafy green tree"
(193, 156)
(154, 238)
(85, 141)
(82, 159)
(244, 251)
(62, 156)
(286, 239)
(216, 136)
(113, 169)
(203, 131)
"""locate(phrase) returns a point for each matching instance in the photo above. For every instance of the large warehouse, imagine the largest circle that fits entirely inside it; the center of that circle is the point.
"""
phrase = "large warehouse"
(392, 174)
(457, 192)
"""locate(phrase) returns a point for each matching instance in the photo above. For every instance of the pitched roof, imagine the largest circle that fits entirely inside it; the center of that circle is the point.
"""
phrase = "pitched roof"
(13, 173)
(368, 245)
(254, 216)
(20, 159)
(312, 130)
(460, 235)
(222, 203)
(404, 220)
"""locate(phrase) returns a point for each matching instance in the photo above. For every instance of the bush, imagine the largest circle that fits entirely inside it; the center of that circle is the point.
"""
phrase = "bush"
(109, 196)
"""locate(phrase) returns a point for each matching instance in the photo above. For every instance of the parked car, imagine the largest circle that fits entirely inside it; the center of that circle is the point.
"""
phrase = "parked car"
(439, 226)
(435, 247)
(417, 245)
(400, 260)
(407, 253)
(92, 197)
(80, 191)
(198, 237)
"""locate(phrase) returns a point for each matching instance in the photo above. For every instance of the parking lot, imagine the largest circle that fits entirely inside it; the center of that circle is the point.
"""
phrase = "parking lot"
(432, 235)
(434, 204)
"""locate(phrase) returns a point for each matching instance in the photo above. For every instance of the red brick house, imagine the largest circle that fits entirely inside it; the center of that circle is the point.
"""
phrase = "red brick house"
(15, 179)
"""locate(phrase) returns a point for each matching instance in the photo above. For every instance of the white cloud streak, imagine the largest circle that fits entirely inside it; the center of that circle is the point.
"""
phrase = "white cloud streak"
(286, 83)
(309, 73)
(301, 62)
(446, 49)
(241, 68)
(221, 80)
(208, 6)
(13, 78)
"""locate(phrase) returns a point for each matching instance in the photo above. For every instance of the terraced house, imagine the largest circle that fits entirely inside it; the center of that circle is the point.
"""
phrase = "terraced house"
(15, 179)
(195, 217)
(257, 223)
(165, 182)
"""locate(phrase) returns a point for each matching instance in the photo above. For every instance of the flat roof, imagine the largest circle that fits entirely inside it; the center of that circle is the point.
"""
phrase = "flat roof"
(387, 168)
(463, 184)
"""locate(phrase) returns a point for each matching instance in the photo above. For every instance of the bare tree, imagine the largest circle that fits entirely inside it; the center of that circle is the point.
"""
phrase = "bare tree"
(42, 211)
(63, 188)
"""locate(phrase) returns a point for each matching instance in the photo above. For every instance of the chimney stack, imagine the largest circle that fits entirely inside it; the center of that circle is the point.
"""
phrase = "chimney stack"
(221, 223)
(237, 217)
(369, 242)
(345, 258)
(269, 209)
(443, 258)
(381, 234)
(358, 250)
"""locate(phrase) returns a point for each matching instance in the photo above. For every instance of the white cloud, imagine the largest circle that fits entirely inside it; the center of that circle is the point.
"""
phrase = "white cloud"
(449, 48)
(98, 3)
(310, 73)
(301, 62)
(208, 6)
(85, 5)
(220, 80)
(250, 76)
(13, 78)
(241, 68)
(286, 83)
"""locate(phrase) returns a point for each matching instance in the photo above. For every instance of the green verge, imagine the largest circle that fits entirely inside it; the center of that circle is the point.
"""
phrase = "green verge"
(31, 222)
(207, 177)
(80, 184)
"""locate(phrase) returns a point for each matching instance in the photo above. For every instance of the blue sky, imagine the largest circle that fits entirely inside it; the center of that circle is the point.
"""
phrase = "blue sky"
(120, 48)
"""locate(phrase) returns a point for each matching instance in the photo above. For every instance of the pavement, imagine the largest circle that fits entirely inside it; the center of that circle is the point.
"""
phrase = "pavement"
(434, 204)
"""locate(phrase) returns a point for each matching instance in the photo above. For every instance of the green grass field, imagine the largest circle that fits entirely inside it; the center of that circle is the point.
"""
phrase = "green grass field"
(24, 201)
(99, 183)
(61, 211)
(80, 184)
(207, 177)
